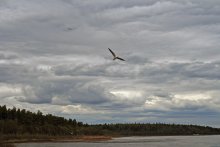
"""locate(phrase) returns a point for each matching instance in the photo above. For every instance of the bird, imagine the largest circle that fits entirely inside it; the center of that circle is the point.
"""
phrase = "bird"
(115, 56)
(69, 29)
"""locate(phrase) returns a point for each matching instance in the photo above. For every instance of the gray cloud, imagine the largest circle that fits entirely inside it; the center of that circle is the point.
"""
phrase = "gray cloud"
(171, 73)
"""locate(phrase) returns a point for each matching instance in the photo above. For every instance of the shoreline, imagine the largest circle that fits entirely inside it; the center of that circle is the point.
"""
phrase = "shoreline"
(63, 139)
(59, 139)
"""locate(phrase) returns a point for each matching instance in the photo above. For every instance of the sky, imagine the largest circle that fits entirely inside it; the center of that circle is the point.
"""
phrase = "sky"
(54, 58)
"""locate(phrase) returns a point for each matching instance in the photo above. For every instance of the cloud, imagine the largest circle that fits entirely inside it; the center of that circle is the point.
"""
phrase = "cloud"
(7, 56)
(78, 109)
(126, 13)
(7, 90)
(171, 73)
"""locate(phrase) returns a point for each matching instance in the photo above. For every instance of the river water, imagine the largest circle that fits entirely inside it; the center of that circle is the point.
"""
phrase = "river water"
(158, 141)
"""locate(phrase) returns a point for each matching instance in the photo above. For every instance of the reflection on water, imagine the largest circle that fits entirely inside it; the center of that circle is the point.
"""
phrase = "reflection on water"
(158, 141)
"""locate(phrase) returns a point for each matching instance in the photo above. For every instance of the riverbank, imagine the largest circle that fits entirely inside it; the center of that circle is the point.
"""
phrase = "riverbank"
(26, 139)
(7, 145)
(152, 141)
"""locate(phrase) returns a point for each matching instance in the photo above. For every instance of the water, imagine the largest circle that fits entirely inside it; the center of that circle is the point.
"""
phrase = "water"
(158, 141)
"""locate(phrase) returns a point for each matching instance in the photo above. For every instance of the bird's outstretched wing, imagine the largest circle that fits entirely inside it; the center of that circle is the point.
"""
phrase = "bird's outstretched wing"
(112, 52)
(120, 58)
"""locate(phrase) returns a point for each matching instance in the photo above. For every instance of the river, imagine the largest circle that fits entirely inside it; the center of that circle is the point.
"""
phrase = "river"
(158, 141)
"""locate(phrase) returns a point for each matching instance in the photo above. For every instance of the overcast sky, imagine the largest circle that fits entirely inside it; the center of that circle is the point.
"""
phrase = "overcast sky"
(54, 58)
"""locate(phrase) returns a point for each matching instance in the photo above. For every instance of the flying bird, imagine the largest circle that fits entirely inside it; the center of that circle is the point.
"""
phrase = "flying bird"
(115, 56)
(69, 29)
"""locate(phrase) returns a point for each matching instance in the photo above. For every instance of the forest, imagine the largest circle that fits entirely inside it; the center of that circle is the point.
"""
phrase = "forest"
(18, 122)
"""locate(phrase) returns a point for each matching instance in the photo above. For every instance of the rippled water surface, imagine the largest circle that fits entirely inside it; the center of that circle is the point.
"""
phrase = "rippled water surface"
(159, 141)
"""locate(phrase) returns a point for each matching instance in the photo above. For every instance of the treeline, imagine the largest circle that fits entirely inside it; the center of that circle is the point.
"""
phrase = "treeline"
(22, 122)
(138, 129)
